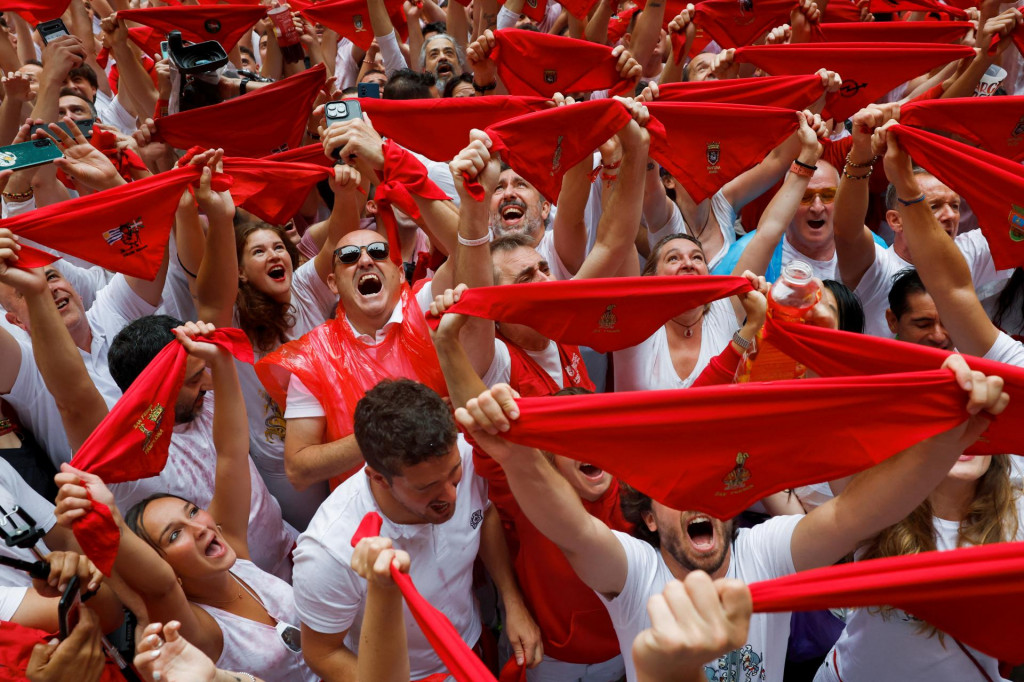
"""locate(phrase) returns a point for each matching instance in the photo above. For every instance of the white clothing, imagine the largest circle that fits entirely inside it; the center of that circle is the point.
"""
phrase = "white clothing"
(874, 647)
(553, 670)
(1006, 349)
(85, 277)
(391, 53)
(500, 370)
(345, 68)
(330, 596)
(257, 647)
(112, 113)
(14, 492)
(873, 288)
(823, 269)
(190, 472)
(648, 365)
(115, 307)
(507, 18)
(547, 251)
(725, 214)
(758, 553)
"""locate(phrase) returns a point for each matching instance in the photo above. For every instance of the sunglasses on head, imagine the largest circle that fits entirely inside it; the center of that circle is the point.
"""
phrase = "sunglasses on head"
(827, 196)
(350, 254)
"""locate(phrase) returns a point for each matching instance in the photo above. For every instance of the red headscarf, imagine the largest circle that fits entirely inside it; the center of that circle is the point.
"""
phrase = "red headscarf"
(894, 31)
(351, 19)
(224, 23)
(1001, 133)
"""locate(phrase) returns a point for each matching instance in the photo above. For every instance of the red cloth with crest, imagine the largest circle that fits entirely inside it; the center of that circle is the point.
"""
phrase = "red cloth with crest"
(225, 24)
(989, 183)
(257, 124)
(894, 32)
(132, 440)
(783, 92)
(1002, 132)
(351, 19)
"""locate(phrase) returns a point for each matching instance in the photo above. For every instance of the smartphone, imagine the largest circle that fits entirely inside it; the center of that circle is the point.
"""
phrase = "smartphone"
(164, 50)
(342, 110)
(48, 30)
(28, 154)
(68, 607)
(84, 126)
(368, 90)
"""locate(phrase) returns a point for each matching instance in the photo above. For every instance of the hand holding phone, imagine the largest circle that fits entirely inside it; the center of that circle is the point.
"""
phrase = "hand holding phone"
(49, 30)
(69, 607)
(342, 110)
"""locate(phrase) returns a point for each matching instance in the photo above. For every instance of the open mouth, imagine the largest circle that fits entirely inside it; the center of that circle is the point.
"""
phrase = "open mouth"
(513, 212)
(591, 472)
(63, 302)
(215, 548)
(369, 284)
(701, 533)
(816, 224)
(440, 508)
(444, 69)
(277, 273)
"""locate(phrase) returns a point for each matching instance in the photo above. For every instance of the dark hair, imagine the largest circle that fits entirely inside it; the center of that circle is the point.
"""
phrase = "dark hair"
(851, 312)
(409, 84)
(136, 345)
(511, 242)
(33, 62)
(133, 519)
(373, 70)
(435, 27)
(264, 320)
(890, 192)
(449, 87)
(652, 261)
(71, 92)
(634, 505)
(86, 72)
(246, 50)
(905, 284)
(1010, 295)
(401, 423)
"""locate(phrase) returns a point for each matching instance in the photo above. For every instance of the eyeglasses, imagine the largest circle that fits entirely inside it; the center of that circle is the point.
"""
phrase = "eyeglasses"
(827, 196)
(290, 635)
(350, 254)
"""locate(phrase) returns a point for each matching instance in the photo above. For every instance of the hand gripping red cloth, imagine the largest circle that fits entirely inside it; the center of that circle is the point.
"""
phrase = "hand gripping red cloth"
(123, 229)
(784, 92)
(974, 594)
(831, 352)
(992, 185)
(224, 23)
(604, 314)
(462, 663)
(842, 11)
(439, 128)
(351, 19)
(258, 124)
(274, 191)
(882, 6)
(402, 176)
(16, 644)
(995, 124)
(36, 11)
(894, 32)
(132, 440)
(682, 447)
(1016, 35)
(539, 64)
(706, 145)
(868, 70)
(734, 24)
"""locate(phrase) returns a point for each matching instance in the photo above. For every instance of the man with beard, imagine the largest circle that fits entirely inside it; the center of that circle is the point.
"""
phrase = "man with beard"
(442, 57)
(625, 570)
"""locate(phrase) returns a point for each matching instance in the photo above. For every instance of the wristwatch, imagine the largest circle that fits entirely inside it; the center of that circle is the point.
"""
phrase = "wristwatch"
(741, 342)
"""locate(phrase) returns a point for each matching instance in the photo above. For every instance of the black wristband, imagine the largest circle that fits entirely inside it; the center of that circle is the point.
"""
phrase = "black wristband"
(243, 86)
(805, 165)
(485, 88)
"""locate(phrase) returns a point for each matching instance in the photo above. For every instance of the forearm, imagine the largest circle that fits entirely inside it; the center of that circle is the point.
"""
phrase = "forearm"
(441, 222)
(26, 46)
(855, 249)
(9, 61)
(457, 22)
(10, 119)
(312, 464)
(647, 32)
(597, 27)
(495, 557)
(232, 486)
(963, 84)
(463, 380)
(217, 275)
(469, 360)
(383, 652)
(134, 82)
(45, 106)
(570, 230)
(772, 226)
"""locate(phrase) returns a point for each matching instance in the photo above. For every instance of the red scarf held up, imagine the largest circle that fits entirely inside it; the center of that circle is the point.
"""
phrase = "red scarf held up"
(974, 594)
(842, 11)
(540, 64)
(132, 440)
(868, 70)
(618, 24)
(833, 353)
(37, 11)
(225, 24)
(351, 19)
(579, 8)
(690, 456)
(311, 153)
(125, 160)
(439, 128)
(461, 662)
(883, 6)
(604, 314)
(266, 121)
(1016, 35)
(784, 92)
(735, 24)
(992, 185)
(996, 124)
(706, 145)
(273, 191)
(534, 9)
(543, 145)
(402, 176)
(894, 32)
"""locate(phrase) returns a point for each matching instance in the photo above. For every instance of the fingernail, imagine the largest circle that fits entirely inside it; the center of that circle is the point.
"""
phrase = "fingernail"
(155, 653)
(519, 659)
(157, 676)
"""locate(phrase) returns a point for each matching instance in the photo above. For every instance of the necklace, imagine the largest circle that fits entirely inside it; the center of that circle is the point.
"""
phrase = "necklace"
(707, 219)
(215, 602)
(689, 327)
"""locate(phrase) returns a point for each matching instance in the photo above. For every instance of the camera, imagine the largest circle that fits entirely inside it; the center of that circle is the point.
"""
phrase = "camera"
(198, 65)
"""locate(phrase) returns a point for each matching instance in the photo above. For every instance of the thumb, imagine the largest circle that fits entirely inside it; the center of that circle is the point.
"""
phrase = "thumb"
(41, 654)
(517, 647)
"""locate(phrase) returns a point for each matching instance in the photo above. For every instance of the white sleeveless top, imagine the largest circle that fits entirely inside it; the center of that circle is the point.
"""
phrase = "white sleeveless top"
(254, 647)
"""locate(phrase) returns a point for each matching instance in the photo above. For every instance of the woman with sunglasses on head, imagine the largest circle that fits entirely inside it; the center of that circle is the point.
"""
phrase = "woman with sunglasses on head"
(192, 565)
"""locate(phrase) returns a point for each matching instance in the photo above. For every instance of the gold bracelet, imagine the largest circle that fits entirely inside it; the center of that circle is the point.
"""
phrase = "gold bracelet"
(870, 164)
(18, 196)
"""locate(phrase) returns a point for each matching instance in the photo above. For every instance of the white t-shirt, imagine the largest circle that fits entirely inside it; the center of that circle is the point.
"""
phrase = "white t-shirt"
(500, 371)
(823, 269)
(725, 214)
(14, 492)
(190, 472)
(648, 365)
(112, 113)
(345, 67)
(873, 288)
(115, 307)
(330, 596)
(873, 647)
(1006, 349)
(759, 553)
(547, 251)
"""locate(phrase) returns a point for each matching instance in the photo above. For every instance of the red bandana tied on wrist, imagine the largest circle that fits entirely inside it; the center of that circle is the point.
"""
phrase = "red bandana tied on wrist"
(351, 19)
(402, 176)
(461, 662)
(834, 353)
(224, 23)
(784, 92)
(539, 64)
(971, 593)
(992, 185)
(439, 128)
(706, 145)
(735, 24)
(720, 470)
(264, 122)
(132, 440)
(882, 6)
(604, 314)
(868, 70)
(894, 31)
(1001, 133)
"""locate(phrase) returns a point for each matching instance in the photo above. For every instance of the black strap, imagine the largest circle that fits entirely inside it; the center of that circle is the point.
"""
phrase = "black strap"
(977, 665)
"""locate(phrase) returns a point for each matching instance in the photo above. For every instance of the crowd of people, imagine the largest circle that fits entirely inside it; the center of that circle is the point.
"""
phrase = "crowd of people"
(349, 414)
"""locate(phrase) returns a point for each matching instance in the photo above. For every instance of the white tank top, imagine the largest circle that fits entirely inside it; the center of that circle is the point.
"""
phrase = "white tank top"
(254, 647)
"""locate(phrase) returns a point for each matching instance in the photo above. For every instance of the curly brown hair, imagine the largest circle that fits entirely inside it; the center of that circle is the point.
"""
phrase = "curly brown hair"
(265, 321)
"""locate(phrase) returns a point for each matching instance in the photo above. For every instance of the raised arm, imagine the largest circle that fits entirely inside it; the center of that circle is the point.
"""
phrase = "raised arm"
(546, 498)
(383, 651)
(344, 218)
(140, 94)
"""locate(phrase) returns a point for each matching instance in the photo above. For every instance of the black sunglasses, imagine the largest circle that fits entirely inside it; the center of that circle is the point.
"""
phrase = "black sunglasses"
(350, 254)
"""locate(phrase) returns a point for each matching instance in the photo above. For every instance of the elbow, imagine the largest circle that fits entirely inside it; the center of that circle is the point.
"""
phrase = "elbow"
(298, 474)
